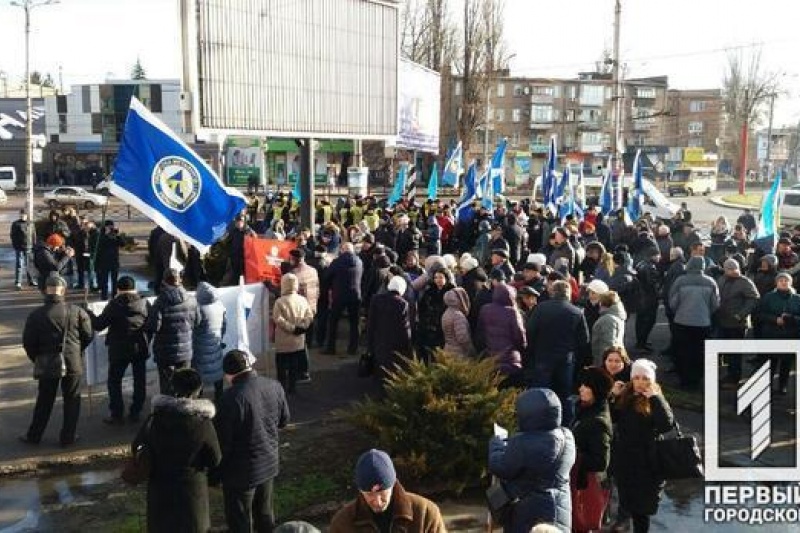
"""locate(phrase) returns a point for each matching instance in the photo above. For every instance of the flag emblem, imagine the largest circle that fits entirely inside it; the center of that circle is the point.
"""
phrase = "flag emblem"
(177, 183)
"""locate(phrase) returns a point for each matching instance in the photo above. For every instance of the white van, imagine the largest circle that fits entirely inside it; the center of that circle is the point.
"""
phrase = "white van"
(8, 178)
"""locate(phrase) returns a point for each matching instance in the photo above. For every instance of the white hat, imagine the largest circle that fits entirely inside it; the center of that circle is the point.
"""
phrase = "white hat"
(397, 284)
(468, 262)
(449, 260)
(539, 259)
(644, 367)
(597, 286)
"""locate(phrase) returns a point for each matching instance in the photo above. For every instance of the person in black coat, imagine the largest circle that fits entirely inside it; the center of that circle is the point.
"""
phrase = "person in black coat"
(389, 326)
(125, 316)
(344, 279)
(558, 337)
(51, 257)
(183, 446)
(592, 427)
(54, 338)
(170, 322)
(106, 264)
(641, 414)
(237, 234)
(430, 309)
(251, 412)
(22, 243)
(515, 236)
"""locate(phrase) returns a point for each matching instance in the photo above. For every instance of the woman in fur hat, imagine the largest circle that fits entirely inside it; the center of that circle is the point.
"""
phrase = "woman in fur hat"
(182, 443)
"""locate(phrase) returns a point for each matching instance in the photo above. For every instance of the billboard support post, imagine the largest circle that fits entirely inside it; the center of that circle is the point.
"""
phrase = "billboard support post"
(306, 182)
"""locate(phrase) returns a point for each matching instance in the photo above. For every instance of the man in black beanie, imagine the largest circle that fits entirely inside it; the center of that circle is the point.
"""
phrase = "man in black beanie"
(384, 503)
(125, 316)
(250, 413)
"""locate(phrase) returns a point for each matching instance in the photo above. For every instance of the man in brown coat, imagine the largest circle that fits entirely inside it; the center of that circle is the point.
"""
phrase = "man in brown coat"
(383, 505)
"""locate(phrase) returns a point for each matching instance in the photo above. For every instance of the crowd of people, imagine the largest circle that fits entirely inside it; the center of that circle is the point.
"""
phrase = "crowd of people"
(547, 300)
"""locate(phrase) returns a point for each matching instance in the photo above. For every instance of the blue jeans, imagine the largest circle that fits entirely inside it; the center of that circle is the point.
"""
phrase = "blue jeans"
(21, 267)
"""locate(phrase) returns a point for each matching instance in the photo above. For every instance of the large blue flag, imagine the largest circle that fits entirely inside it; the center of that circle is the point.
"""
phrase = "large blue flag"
(453, 168)
(399, 186)
(497, 168)
(636, 196)
(433, 183)
(486, 191)
(162, 177)
(767, 228)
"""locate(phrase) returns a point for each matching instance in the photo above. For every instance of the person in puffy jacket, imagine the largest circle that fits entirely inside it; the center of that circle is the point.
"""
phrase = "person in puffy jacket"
(207, 338)
(292, 316)
(501, 330)
(171, 320)
(779, 317)
(430, 309)
(455, 325)
(389, 326)
(534, 464)
(609, 330)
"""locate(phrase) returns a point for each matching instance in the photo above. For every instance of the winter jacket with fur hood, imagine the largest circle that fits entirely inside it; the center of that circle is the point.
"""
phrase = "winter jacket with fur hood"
(457, 337)
(291, 311)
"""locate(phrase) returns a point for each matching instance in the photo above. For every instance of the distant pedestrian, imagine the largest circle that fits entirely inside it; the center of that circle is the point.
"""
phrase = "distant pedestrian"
(22, 242)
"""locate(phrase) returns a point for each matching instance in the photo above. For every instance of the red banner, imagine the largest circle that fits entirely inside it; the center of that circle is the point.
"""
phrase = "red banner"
(263, 258)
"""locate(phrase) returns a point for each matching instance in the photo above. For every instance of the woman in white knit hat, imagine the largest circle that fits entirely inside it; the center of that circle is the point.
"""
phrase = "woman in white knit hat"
(641, 414)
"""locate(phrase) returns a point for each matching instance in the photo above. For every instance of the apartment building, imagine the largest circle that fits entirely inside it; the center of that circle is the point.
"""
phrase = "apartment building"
(696, 119)
(579, 111)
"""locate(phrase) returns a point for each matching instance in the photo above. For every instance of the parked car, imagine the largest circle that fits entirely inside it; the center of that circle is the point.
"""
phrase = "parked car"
(3, 197)
(101, 187)
(790, 206)
(76, 196)
(8, 178)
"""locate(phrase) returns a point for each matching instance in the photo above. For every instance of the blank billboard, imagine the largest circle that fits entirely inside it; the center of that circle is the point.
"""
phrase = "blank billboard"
(304, 68)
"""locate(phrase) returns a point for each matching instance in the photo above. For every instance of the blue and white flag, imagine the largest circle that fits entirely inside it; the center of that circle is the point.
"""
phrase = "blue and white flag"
(550, 177)
(487, 191)
(399, 186)
(158, 174)
(453, 167)
(297, 195)
(433, 183)
(636, 196)
(563, 184)
(606, 192)
(581, 189)
(497, 168)
(470, 189)
(767, 228)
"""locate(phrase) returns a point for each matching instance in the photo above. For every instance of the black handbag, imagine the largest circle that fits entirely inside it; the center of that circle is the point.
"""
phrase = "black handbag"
(500, 503)
(677, 457)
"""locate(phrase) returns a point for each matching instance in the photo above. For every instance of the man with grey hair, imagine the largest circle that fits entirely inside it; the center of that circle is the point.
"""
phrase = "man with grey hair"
(54, 338)
(344, 278)
(558, 339)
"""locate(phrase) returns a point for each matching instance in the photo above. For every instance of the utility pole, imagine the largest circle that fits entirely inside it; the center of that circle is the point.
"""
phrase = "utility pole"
(769, 134)
(27, 6)
(617, 100)
(743, 143)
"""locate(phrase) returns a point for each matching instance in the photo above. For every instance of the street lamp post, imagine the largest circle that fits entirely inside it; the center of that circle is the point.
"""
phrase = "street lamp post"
(27, 6)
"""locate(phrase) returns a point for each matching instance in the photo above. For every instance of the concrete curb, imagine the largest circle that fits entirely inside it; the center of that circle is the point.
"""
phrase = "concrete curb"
(720, 202)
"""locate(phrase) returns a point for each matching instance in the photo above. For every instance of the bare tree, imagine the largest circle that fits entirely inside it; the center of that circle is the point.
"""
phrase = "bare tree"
(482, 54)
(428, 34)
(747, 87)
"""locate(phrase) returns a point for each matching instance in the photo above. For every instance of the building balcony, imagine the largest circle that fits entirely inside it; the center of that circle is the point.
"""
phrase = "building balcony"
(542, 99)
(641, 125)
(590, 125)
(540, 125)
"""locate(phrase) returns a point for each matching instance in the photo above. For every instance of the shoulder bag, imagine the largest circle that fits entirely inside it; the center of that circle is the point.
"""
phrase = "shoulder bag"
(677, 457)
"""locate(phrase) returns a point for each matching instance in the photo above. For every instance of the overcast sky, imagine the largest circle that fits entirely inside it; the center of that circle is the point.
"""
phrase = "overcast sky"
(684, 39)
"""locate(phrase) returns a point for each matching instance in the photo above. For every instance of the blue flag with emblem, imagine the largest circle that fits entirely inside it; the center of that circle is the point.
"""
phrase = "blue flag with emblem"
(606, 192)
(158, 174)
(452, 169)
(470, 189)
